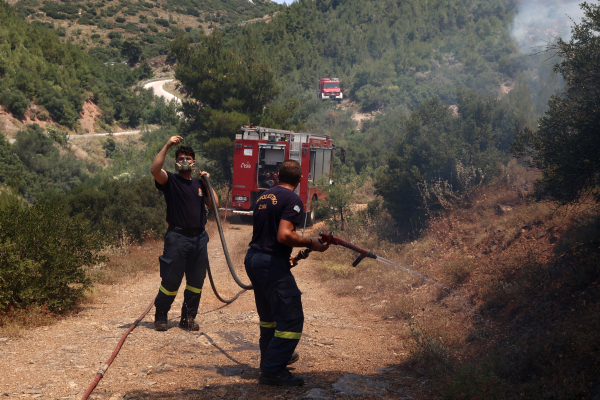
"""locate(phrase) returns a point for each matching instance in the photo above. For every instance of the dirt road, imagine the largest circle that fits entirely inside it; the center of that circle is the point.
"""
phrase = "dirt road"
(345, 350)
(159, 91)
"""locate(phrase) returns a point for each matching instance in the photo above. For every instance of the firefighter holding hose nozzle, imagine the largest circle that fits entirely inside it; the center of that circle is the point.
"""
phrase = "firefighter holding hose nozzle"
(268, 265)
(185, 240)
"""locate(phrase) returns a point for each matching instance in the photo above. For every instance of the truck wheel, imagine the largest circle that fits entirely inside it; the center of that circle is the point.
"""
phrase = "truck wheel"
(311, 218)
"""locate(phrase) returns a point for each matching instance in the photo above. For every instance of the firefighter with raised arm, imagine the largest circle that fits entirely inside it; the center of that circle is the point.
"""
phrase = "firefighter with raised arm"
(276, 214)
(185, 250)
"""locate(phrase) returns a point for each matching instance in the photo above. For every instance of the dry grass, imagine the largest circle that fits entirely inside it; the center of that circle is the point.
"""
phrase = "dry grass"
(15, 322)
(511, 291)
(96, 155)
(127, 261)
(365, 193)
(92, 150)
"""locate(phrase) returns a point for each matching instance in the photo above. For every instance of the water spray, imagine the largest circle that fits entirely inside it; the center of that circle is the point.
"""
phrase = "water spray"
(363, 253)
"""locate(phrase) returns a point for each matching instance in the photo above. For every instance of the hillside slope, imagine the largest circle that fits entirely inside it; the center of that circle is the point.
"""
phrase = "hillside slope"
(517, 315)
(105, 24)
(389, 53)
(37, 68)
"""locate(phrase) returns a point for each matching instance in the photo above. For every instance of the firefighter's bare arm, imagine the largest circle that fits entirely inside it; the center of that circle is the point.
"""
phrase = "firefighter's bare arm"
(212, 195)
(287, 235)
(159, 174)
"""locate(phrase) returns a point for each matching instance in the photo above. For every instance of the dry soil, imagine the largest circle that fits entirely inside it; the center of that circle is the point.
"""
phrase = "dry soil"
(346, 351)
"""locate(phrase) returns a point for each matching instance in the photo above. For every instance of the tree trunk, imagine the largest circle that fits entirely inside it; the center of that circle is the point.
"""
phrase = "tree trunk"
(226, 167)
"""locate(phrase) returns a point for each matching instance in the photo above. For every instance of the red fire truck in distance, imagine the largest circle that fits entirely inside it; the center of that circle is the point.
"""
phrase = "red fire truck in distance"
(330, 89)
(258, 155)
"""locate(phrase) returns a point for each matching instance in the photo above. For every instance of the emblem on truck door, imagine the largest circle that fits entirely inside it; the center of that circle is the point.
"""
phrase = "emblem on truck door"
(244, 165)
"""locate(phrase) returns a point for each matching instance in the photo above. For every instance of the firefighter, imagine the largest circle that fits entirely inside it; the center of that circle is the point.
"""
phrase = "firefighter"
(185, 240)
(276, 214)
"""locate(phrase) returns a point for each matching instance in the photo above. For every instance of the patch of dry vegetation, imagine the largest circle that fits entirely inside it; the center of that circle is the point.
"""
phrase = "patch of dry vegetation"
(127, 259)
(520, 315)
(91, 149)
(14, 322)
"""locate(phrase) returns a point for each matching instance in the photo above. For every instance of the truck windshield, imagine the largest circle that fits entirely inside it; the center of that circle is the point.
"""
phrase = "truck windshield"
(331, 85)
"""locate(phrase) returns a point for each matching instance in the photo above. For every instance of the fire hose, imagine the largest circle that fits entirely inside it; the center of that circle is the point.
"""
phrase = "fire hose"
(102, 371)
(302, 254)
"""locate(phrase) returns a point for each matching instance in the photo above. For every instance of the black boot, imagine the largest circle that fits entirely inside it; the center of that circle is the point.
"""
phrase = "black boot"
(161, 322)
(281, 378)
(188, 324)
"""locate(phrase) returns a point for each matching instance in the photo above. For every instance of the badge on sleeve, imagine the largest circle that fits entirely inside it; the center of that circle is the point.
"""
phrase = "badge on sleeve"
(200, 192)
(297, 208)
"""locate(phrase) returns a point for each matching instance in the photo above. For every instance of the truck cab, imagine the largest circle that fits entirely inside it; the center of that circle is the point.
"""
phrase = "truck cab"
(330, 89)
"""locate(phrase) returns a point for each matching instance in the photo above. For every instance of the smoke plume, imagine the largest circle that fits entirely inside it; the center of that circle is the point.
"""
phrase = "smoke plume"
(541, 21)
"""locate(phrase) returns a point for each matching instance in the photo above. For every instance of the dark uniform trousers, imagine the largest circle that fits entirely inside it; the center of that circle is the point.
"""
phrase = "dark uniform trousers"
(187, 255)
(279, 306)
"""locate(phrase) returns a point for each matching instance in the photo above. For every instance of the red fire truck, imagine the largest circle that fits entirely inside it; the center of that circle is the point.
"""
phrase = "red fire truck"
(258, 155)
(330, 89)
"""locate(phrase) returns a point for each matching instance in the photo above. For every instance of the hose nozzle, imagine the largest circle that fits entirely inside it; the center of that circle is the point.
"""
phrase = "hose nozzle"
(329, 239)
(370, 254)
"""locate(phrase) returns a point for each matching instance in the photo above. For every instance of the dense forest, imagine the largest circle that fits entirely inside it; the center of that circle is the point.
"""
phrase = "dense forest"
(407, 70)
(382, 57)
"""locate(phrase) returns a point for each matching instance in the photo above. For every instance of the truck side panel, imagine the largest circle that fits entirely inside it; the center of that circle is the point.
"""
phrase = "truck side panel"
(244, 172)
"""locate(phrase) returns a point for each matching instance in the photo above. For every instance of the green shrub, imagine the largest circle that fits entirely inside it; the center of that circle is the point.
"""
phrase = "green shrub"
(43, 257)
(118, 205)
(110, 147)
(131, 28)
(58, 136)
(61, 109)
(16, 102)
(162, 22)
(116, 43)
(433, 141)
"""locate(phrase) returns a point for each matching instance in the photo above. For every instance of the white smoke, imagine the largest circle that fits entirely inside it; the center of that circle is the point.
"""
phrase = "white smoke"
(541, 21)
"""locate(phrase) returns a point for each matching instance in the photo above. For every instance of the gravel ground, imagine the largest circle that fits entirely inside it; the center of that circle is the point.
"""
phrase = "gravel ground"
(345, 351)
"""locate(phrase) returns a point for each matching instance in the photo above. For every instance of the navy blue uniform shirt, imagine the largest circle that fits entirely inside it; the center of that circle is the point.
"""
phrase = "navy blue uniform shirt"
(274, 205)
(185, 201)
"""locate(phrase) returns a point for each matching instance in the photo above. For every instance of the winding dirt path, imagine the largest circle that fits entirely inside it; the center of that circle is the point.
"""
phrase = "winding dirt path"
(159, 91)
(345, 349)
